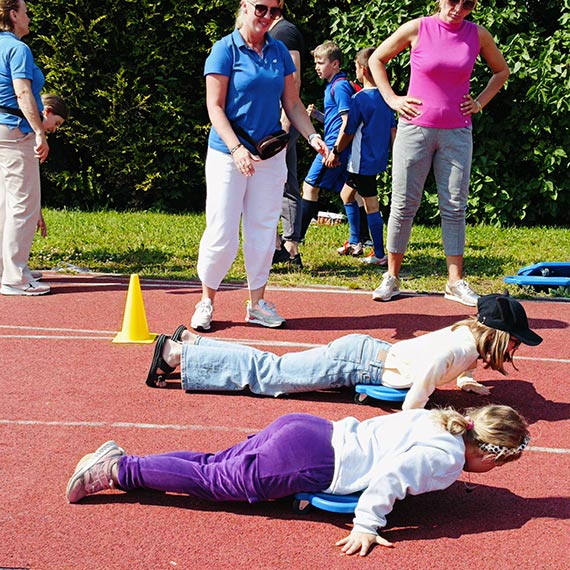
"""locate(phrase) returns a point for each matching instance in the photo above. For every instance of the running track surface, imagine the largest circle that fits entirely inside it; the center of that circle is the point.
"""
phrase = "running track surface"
(66, 388)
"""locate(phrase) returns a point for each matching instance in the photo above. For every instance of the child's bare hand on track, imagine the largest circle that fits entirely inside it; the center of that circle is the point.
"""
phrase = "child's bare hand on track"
(361, 541)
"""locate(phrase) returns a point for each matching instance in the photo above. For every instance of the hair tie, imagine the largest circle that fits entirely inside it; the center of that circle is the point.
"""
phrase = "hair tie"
(470, 423)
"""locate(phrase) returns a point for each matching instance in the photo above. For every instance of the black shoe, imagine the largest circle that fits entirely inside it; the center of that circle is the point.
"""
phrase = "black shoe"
(295, 262)
(280, 256)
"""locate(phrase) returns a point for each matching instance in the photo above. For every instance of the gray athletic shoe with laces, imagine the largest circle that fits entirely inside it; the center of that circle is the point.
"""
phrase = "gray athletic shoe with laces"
(462, 293)
(264, 314)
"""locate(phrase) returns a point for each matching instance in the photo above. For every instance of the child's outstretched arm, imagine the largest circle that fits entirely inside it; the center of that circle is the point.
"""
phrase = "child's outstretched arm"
(361, 542)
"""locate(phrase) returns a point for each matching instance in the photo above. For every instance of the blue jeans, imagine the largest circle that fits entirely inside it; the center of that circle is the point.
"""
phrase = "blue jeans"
(218, 365)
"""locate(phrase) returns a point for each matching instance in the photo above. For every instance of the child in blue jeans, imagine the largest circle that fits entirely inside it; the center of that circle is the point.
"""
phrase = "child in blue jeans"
(420, 364)
(371, 128)
(337, 102)
(384, 458)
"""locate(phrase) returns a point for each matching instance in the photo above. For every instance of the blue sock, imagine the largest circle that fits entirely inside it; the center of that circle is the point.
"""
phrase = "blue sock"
(376, 226)
(353, 215)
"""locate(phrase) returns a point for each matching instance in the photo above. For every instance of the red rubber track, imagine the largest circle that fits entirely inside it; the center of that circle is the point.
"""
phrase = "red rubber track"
(66, 388)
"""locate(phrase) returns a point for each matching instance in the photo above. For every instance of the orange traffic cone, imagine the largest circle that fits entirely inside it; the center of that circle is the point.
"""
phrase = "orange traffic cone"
(135, 328)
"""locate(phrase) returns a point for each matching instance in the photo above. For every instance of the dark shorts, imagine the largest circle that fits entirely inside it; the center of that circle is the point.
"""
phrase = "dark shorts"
(364, 184)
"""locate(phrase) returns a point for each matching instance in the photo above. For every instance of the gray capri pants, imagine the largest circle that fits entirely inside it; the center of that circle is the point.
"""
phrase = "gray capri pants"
(416, 149)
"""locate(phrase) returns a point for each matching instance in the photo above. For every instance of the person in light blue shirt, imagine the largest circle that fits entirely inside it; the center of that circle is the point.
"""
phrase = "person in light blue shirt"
(249, 78)
(23, 146)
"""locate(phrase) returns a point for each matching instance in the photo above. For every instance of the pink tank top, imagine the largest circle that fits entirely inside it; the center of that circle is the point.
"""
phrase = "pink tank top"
(442, 63)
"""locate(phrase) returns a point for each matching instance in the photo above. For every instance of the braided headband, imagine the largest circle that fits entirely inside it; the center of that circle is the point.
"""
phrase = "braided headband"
(503, 450)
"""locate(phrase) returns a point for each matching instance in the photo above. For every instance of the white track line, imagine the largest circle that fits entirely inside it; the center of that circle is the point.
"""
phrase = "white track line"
(254, 342)
(188, 427)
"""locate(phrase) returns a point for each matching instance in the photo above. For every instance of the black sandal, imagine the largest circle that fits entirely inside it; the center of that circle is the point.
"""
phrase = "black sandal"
(177, 334)
(154, 377)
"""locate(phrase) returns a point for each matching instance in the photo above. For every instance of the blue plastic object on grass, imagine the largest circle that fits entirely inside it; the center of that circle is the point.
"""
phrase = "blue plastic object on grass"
(326, 502)
(543, 275)
(379, 392)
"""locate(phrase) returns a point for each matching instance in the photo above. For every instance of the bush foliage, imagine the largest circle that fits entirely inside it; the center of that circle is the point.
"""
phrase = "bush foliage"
(132, 74)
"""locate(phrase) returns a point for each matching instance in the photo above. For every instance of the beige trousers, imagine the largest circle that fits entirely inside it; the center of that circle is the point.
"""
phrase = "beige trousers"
(20, 204)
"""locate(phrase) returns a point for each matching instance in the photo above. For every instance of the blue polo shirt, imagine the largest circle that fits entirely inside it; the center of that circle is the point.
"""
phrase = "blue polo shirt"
(370, 120)
(17, 62)
(337, 100)
(255, 87)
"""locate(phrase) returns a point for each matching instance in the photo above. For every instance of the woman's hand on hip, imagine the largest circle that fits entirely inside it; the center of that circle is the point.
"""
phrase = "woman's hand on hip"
(406, 107)
(244, 161)
(470, 106)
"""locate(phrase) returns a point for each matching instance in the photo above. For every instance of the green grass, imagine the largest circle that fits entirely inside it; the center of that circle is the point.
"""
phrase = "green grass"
(166, 245)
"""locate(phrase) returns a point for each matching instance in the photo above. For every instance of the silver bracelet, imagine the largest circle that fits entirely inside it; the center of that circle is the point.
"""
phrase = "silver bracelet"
(312, 136)
(478, 103)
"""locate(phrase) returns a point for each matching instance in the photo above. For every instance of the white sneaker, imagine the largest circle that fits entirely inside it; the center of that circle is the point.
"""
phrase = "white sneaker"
(202, 317)
(390, 287)
(371, 259)
(264, 314)
(31, 289)
(462, 293)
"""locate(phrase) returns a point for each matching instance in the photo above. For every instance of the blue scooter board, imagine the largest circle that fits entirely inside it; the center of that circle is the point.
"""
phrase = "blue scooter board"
(378, 392)
(333, 503)
(543, 275)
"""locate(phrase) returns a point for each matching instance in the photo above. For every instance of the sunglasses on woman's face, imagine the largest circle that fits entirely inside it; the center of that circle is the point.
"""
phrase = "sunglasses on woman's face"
(261, 9)
(465, 4)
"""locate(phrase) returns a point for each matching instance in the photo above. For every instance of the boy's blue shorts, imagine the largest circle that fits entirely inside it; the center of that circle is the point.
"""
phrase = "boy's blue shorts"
(325, 178)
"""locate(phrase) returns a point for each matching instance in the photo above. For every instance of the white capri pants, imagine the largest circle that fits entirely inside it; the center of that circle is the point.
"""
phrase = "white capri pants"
(232, 197)
(20, 203)
(416, 150)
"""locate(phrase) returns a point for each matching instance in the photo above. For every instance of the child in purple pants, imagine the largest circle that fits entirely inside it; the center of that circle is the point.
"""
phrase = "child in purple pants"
(383, 458)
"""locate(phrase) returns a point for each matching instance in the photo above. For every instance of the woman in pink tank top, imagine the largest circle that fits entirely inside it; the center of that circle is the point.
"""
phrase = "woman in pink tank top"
(434, 130)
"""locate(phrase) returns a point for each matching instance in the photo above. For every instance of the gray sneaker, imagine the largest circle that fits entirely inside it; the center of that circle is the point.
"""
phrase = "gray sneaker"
(264, 314)
(202, 317)
(94, 472)
(390, 287)
(462, 293)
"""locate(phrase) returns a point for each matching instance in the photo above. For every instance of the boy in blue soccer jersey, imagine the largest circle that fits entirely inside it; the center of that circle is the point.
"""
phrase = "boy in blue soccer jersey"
(371, 128)
(337, 101)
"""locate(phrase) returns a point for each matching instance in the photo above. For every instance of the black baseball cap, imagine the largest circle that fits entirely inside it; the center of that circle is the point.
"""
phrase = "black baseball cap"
(504, 313)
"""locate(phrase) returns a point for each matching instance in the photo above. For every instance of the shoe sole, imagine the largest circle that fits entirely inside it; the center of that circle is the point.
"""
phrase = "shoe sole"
(16, 293)
(264, 323)
(201, 327)
(86, 462)
(378, 298)
(459, 300)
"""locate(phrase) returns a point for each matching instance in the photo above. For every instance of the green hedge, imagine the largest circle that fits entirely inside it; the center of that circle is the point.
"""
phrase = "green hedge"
(131, 71)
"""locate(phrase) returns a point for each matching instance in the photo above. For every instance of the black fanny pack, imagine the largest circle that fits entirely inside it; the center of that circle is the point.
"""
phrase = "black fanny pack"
(268, 146)
(12, 111)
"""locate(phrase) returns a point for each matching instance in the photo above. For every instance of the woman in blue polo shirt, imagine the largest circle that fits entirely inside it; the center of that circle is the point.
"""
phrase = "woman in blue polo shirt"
(22, 143)
(249, 77)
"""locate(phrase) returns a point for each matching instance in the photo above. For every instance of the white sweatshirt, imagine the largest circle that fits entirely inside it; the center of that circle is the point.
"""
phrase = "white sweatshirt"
(389, 457)
(428, 361)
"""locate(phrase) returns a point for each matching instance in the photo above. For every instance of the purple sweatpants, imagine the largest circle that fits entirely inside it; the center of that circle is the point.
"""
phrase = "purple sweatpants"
(291, 455)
